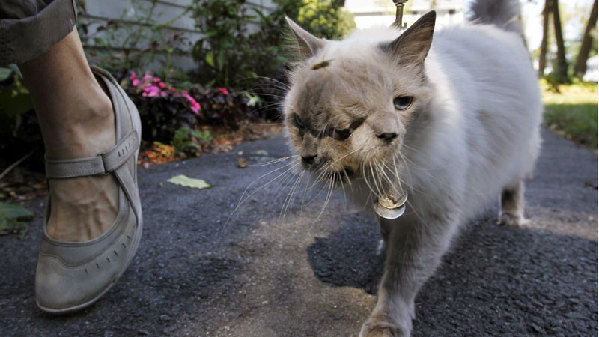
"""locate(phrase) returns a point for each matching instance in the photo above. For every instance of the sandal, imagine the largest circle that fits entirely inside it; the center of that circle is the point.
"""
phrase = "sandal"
(72, 275)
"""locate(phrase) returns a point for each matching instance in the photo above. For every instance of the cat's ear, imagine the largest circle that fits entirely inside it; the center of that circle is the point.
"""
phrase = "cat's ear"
(308, 43)
(413, 45)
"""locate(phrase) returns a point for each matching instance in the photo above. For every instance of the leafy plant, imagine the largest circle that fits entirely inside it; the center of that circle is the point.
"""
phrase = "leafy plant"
(325, 19)
(163, 109)
(19, 130)
(220, 53)
(221, 107)
(182, 141)
(204, 136)
(241, 42)
(187, 140)
(14, 101)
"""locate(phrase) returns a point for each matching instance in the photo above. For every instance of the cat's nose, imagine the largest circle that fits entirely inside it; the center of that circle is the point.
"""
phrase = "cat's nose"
(387, 137)
(308, 160)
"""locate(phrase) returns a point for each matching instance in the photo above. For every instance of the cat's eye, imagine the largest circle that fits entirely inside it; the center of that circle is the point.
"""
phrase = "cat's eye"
(402, 102)
(298, 122)
(341, 134)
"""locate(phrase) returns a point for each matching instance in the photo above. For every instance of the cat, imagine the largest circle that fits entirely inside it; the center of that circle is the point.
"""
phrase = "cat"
(450, 119)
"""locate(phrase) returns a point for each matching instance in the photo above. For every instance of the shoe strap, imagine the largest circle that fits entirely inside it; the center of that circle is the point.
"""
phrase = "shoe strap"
(101, 164)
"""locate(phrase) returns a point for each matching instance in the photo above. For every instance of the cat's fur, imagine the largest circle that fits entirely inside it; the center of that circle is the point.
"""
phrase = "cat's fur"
(471, 133)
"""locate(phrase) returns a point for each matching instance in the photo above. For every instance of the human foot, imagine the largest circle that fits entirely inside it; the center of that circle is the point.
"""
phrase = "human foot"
(85, 207)
(73, 275)
(77, 121)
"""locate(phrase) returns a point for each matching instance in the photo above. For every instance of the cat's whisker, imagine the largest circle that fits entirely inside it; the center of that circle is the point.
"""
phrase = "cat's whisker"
(406, 167)
(373, 175)
(242, 200)
(383, 169)
(245, 196)
(289, 197)
(286, 184)
(257, 180)
(380, 189)
(366, 180)
(273, 80)
(348, 180)
(383, 179)
(319, 178)
(278, 160)
(396, 169)
(278, 89)
(326, 202)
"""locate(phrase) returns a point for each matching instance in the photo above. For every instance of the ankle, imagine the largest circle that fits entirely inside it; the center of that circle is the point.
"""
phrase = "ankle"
(86, 129)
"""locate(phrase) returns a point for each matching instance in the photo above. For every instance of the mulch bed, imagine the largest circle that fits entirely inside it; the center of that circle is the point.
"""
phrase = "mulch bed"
(26, 182)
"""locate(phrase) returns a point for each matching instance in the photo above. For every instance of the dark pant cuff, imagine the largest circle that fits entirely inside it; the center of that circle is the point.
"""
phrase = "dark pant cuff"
(24, 39)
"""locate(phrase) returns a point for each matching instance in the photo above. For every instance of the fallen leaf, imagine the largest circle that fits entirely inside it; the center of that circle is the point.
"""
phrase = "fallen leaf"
(242, 163)
(13, 218)
(184, 180)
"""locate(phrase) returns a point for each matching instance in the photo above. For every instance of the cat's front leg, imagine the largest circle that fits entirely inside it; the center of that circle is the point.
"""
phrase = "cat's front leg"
(413, 252)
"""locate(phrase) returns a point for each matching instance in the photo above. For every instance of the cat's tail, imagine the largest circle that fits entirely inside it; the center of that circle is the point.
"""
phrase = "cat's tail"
(504, 14)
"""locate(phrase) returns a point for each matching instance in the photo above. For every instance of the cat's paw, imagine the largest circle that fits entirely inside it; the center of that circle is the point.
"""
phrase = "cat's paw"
(381, 328)
(512, 220)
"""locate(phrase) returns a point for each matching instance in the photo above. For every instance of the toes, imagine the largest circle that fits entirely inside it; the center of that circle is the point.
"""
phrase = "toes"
(512, 220)
(382, 329)
(379, 332)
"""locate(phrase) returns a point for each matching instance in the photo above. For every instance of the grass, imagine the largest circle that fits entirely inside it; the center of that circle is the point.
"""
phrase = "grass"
(573, 112)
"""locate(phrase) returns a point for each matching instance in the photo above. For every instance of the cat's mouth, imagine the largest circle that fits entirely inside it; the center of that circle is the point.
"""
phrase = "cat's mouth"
(343, 176)
(390, 204)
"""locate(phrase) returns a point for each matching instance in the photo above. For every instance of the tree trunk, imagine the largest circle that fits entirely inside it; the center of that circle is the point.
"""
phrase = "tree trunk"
(562, 65)
(543, 53)
(587, 40)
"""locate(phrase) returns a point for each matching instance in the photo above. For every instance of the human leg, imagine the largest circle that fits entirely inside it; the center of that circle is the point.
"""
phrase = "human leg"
(91, 132)
(76, 120)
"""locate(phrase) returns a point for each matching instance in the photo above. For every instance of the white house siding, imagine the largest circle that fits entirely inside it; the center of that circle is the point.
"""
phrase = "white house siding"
(98, 12)
(369, 13)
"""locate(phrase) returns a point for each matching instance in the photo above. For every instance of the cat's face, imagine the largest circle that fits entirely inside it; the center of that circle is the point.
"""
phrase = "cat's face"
(347, 115)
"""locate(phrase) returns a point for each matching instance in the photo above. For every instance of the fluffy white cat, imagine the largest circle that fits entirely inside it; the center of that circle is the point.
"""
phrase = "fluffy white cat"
(448, 119)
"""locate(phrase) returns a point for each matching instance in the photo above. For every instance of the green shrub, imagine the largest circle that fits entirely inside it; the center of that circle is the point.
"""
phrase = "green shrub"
(19, 130)
(243, 43)
(324, 19)
(229, 54)
(188, 141)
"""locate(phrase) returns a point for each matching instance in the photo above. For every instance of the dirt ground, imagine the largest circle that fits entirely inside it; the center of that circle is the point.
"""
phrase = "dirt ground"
(210, 266)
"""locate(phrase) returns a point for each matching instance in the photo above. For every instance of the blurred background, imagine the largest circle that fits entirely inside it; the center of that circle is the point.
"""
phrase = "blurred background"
(209, 74)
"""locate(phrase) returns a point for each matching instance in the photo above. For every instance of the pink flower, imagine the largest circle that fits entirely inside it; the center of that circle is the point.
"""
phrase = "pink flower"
(151, 90)
(147, 78)
(135, 82)
(171, 89)
(195, 107)
(132, 76)
(156, 80)
(224, 91)
(161, 85)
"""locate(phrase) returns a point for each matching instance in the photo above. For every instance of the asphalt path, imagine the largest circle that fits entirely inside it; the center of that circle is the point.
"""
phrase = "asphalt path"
(291, 264)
